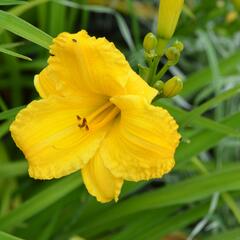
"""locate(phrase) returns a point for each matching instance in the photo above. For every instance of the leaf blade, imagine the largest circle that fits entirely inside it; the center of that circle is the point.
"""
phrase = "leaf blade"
(9, 2)
(187, 191)
(24, 29)
(41, 201)
(6, 236)
(14, 54)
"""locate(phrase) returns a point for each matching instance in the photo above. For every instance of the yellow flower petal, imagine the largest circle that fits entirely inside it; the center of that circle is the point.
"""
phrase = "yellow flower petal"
(45, 85)
(137, 86)
(100, 182)
(47, 132)
(80, 64)
(142, 142)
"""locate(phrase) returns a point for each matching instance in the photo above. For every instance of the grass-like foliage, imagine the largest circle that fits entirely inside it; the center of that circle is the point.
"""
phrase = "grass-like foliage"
(200, 198)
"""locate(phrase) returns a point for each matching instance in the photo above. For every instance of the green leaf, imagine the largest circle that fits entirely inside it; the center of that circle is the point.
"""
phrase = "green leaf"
(210, 104)
(187, 191)
(188, 11)
(156, 227)
(11, 45)
(202, 78)
(13, 169)
(57, 18)
(18, 10)
(6, 236)
(204, 140)
(9, 114)
(4, 128)
(40, 201)
(133, 226)
(123, 27)
(14, 54)
(9, 2)
(228, 235)
(24, 29)
(199, 122)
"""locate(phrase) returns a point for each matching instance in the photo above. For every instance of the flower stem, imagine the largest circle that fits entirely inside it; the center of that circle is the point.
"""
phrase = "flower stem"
(153, 70)
(162, 71)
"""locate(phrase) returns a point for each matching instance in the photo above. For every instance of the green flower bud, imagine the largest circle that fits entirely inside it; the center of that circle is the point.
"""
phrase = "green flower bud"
(159, 85)
(150, 42)
(172, 87)
(172, 54)
(179, 45)
(149, 55)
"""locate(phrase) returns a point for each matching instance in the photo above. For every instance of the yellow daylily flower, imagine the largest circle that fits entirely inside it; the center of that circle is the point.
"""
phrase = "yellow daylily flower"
(96, 116)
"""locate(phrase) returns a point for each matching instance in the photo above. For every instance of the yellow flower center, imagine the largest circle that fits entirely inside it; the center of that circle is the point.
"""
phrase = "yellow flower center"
(99, 118)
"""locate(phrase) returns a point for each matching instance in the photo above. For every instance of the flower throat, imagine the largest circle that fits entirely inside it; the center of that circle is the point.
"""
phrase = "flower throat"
(99, 118)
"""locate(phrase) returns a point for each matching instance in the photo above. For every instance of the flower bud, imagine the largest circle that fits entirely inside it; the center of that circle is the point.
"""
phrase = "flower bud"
(173, 55)
(172, 87)
(150, 42)
(149, 55)
(159, 86)
(179, 45)
(169, 13)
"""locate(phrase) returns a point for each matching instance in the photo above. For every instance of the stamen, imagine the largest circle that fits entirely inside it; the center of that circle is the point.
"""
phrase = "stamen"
(110, 116)
(84, 123)
(102, 116)
(74, 40)
(100, 110)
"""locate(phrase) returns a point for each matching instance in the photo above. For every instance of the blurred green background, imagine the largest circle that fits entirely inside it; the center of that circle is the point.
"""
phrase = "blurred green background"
(199, 199)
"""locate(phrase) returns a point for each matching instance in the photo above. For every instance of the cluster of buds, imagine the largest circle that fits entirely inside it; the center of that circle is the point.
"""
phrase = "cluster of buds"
(155, 47)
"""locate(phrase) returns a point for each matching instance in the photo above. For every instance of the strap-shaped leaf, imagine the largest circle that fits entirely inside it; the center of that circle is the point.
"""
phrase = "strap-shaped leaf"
(41, 201)
(24, 29)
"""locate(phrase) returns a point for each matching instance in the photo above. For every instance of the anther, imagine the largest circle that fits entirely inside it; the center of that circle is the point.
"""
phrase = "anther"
(52, 55)
(84, 123)
(78, 118)
(87, 128)
(74, 40)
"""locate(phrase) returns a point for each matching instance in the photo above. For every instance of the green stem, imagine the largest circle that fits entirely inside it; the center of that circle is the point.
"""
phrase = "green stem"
(163, 71)
(153, 70)
(162, 43)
